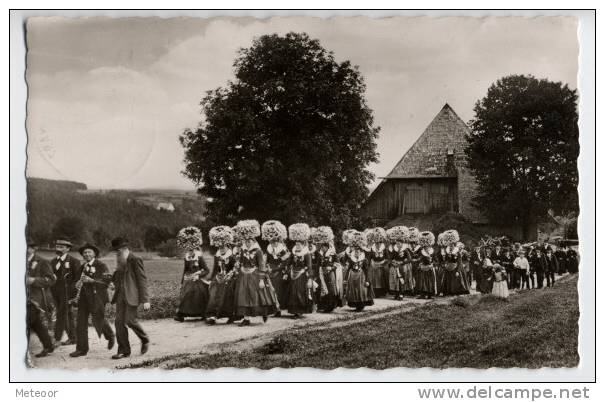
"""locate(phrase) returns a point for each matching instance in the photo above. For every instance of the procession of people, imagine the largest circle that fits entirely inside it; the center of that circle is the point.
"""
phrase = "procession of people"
(245, 281)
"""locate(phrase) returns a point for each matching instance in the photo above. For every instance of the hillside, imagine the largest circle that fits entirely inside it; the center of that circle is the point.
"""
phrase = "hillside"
(107, 213)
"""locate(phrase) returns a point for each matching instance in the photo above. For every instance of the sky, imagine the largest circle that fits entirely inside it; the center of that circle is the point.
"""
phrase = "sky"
(108, 98)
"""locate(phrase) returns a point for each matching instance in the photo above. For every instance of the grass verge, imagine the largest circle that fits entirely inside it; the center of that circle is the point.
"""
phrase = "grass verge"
(531, 329)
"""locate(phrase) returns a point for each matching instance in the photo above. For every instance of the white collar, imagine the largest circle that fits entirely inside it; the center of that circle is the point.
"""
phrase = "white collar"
(63, 257)
(452, 250)
(252, 247)
(300, 253)
(330, 251)
(225, 255)
(274, 251)
(89, 263)
(380, 248)
(359, 258)
(196, 255)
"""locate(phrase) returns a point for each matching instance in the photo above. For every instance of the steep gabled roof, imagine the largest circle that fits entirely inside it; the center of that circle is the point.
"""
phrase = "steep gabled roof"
(427, 157)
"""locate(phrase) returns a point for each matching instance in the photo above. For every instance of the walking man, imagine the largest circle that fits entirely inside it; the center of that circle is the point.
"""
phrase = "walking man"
(131, 290)
(67, 270)
(91, 300)
(39, 278)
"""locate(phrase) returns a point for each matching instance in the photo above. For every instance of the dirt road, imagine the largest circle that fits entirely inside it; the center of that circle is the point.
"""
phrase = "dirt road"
(169, 337)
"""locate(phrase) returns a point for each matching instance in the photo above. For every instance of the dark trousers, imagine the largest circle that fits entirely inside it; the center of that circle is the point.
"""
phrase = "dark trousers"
(36, 324)
(66, 321)
(97, 311)
(550, 278)
(525, 280)
(126, 317)
(540, 279)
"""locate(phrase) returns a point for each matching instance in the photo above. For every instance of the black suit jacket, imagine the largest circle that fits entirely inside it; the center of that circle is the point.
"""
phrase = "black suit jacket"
(96, 292)
(38, 292)
(67, 273)
(131, 282)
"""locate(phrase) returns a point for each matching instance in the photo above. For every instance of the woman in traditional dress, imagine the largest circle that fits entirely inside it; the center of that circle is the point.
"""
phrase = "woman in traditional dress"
(499, 288)
(439, 264)
(222, 286)
(397, 256)
(358, 290)
(485, 280)
(252, 293)
(454, 278)
(402, 274)
(194, 284)
(278, 258)
(329, 271)
(427, 280)
(300, 272)
(412, 239)
(465, 263)
(379, 260)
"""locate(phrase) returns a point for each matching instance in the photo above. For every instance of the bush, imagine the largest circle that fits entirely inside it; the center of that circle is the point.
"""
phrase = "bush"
(168, 249)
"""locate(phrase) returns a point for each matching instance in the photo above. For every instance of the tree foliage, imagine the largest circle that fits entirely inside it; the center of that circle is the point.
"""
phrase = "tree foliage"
(289, 138)
(523, 149)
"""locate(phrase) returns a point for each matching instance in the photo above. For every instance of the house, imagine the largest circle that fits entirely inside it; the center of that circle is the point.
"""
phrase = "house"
(165, 206)
(431, 178)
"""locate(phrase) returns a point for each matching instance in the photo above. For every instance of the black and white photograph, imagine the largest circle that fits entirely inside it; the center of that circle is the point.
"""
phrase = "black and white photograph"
(231, 191)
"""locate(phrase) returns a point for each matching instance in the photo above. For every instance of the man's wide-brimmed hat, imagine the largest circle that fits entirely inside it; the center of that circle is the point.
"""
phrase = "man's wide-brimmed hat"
(118, 243)
(89, 246)
(63, 242)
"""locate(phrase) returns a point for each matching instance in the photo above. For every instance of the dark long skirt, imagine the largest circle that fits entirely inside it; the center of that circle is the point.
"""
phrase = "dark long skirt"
(427, 280)
(358, 294)
(454, 281)
(250, 299)
(439, 273)
(281, 288)
(221, 297)
(376, 277)
(299, 301)
(485, 284)
(331, 300)
(194, 299)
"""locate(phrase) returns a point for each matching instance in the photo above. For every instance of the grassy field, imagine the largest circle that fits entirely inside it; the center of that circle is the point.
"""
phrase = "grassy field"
(536, 328)
(164, 275)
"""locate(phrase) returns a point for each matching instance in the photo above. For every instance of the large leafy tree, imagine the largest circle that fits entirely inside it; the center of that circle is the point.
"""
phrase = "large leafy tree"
(289, 138)
(523, 150)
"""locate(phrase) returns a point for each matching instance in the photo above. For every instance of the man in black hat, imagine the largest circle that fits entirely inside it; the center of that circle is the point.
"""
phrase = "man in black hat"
(91, 300)
(131, 290)
(538, 265)
(39, 279)
(552, 267)
(67, 270)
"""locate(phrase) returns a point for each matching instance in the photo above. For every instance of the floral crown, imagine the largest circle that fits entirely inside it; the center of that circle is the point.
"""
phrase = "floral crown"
(274, 230)
(358, 239)
(220, 236)
(398, 233)
(189, 238)
(248, 229)
(448, 238)
(299, 232)
(426, 239)
(322, 235)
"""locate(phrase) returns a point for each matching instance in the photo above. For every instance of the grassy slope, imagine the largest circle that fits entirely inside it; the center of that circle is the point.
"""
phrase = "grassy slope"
(533, 329)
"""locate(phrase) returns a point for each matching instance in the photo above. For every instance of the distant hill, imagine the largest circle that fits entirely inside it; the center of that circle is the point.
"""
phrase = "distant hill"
(108, 213)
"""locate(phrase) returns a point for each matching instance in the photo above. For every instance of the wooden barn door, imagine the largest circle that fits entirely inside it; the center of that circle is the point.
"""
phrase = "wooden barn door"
(414, 199)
